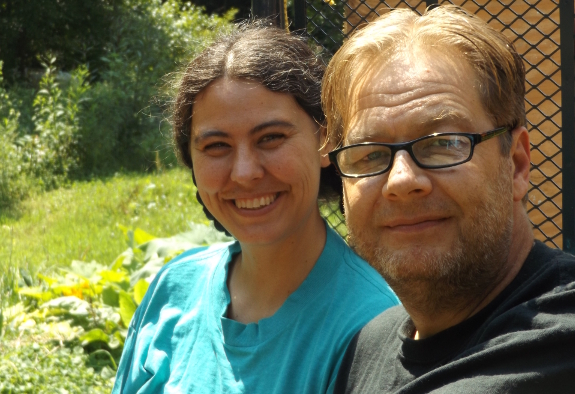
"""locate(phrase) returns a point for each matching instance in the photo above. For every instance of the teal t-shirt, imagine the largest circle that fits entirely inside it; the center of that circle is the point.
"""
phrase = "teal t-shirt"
(179, 340)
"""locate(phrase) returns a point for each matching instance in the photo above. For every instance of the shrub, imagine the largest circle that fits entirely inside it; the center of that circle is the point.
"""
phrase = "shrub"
(12, 185)
(121, 127)
(50, 153)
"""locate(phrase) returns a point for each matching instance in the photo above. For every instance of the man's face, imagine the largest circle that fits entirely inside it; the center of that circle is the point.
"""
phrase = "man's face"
(447, 227)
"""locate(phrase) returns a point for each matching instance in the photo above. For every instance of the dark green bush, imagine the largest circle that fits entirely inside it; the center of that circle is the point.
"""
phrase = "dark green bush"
(12, 185)
(121, 127)
(76, 31)
(73, 125)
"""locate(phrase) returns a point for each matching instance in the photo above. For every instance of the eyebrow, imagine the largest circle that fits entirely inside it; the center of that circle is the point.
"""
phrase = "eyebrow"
(446, 116)
(222, 134)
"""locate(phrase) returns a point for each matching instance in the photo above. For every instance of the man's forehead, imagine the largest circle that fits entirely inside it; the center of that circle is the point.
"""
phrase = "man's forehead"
(419, 89)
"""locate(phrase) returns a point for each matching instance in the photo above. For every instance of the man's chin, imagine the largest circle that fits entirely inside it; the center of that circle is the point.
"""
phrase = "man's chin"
(415, 264)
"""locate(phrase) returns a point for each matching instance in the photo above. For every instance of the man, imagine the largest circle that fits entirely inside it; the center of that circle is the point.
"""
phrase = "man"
(428, 112)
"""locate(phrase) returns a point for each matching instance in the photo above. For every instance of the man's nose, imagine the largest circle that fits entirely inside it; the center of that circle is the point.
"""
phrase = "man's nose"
(405, 179)
(247, 166)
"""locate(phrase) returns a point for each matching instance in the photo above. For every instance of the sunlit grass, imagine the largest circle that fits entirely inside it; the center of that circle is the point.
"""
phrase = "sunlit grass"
(81, 222)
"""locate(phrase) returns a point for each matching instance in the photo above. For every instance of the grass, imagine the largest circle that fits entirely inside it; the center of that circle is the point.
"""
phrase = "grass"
(81, 222)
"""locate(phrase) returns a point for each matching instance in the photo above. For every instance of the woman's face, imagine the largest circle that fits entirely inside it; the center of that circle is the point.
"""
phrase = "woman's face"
(256, 160)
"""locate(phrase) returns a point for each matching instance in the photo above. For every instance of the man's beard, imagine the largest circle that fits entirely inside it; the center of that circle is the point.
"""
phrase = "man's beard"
(433, 282)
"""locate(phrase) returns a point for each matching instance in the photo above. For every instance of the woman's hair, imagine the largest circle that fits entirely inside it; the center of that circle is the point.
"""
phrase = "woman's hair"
(261, 53)
(498, 68)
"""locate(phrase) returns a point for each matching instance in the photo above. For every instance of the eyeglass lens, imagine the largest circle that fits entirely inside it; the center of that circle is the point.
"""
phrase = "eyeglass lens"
(431, 152)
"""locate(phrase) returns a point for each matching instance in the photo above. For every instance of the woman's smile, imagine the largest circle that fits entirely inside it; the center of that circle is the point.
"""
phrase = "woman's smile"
(255, 203)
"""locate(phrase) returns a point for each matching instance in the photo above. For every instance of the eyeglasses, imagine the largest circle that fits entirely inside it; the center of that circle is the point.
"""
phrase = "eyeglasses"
(439, 150)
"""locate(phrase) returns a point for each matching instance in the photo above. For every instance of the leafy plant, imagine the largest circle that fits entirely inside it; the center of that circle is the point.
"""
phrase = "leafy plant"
(122, 126)
(50, 153)
(87, 307)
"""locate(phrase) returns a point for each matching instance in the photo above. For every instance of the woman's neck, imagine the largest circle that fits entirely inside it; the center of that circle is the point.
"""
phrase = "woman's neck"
(262, 277)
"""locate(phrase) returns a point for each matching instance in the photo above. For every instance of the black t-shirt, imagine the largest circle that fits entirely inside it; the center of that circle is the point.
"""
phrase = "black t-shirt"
(522, 342)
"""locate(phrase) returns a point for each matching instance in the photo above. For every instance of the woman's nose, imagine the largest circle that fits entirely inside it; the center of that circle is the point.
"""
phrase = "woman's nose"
(247, 166)
(405, 179)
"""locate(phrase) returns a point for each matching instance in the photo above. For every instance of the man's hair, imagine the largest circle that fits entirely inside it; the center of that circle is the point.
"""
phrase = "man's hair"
(260, 53)
(498, 67)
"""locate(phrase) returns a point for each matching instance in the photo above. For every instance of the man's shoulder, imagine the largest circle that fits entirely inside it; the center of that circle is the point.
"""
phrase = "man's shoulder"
(381, 325)
(546, 272)
(379, 334)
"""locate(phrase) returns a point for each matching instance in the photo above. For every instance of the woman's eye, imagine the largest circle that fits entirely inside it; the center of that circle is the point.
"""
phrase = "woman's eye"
(271, 139)
(215, 147)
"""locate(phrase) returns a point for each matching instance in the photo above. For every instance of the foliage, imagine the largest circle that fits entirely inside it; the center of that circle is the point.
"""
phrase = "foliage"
(30, 367)
(98, 120)
(83, 311)
(12, 185)
(121, 127)
(76, 31)
(50, 154)
(44, 158)
(222, 6)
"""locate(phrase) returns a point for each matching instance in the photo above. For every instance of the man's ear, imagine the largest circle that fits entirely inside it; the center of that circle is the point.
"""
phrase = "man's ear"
(521, 157)
(324, 147)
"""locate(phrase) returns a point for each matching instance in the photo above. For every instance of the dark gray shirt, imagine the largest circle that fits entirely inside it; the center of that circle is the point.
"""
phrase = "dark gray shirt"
(522, 342)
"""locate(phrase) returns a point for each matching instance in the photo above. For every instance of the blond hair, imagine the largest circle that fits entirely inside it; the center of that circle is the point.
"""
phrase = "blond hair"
(497, 65)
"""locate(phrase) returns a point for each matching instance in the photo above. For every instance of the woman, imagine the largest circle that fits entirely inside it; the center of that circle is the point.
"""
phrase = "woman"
(274, 311)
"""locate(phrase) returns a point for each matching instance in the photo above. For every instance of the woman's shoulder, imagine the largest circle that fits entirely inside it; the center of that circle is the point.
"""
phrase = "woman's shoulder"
(203, 255)
(193, 265)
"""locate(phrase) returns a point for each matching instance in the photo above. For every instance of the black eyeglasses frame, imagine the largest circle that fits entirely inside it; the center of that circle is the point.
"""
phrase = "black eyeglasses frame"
(475, 139)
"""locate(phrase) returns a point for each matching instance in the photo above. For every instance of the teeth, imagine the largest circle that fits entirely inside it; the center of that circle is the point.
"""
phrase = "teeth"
(255, 203)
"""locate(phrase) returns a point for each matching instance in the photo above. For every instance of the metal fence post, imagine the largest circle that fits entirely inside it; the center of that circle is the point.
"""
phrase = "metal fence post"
(268, 9)
(566, 12)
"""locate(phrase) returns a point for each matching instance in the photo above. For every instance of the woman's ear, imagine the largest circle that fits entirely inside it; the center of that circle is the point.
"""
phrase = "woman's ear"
(324, 147)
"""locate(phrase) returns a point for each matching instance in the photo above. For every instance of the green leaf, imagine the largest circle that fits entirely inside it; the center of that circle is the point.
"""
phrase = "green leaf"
(94, 335)
(36, 292)
(140, 290)
(127, 308)
(47, 279)
(123, 260)
(110, 296)
(141, 237)
(113, 276)
(26, 276)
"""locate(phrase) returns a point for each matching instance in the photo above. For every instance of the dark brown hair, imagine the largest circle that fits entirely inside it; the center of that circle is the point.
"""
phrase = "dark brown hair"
(261, 53)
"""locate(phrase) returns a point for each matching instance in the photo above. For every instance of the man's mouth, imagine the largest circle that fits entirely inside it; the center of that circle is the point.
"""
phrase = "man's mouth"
(255, 203)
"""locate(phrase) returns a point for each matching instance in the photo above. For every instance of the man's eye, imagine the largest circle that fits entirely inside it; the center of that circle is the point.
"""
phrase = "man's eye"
(373, 156)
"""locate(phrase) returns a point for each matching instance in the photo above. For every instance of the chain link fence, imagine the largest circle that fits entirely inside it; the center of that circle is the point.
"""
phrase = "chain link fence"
(535, 30)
